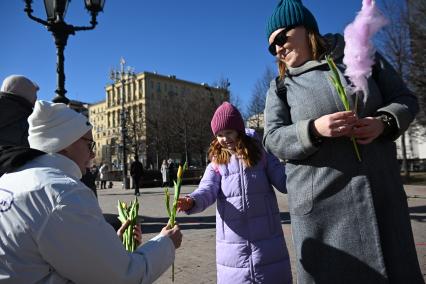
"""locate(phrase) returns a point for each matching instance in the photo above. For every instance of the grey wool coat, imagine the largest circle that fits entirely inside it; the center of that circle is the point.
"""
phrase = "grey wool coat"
(350, 220)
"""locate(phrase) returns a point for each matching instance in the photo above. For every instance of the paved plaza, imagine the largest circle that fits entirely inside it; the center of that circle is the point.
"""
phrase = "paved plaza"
(195, 260)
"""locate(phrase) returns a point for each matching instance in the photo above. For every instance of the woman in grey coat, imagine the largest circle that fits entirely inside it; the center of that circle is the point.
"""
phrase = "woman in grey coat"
(350, 219)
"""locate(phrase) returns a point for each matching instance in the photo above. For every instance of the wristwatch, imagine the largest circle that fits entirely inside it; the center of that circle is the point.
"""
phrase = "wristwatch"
(389, 123)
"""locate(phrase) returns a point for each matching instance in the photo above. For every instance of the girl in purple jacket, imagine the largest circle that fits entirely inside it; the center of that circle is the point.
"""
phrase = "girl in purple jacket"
(250, 245)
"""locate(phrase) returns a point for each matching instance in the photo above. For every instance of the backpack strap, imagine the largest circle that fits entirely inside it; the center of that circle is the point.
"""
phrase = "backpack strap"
(282, 90)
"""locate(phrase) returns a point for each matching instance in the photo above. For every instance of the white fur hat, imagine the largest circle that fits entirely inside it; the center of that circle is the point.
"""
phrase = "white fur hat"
(20, 86)
(54, 126)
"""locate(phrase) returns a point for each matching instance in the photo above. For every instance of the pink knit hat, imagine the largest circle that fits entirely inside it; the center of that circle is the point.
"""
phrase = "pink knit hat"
(227, 117)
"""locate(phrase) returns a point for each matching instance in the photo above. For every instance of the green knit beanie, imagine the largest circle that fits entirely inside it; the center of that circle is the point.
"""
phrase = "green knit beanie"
(290, 13)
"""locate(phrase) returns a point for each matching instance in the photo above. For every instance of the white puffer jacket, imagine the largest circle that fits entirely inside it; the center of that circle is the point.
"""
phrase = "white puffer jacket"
(52, 231)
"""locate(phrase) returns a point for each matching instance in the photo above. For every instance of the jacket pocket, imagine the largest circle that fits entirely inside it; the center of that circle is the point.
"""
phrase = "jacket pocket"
(300, 189)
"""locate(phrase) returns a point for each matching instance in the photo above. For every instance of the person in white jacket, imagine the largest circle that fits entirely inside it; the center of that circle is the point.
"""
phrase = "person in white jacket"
(52, 228)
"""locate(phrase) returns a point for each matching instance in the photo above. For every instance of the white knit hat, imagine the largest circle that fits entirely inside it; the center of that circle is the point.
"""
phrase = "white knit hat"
(54, 126)
(20, 86)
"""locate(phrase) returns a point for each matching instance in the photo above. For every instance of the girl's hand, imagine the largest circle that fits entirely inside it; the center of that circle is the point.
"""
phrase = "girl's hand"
(185, 203)
(336, 124)
(367, 129)
(137, 231)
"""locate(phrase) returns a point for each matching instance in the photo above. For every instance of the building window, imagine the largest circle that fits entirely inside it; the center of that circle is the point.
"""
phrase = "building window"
(140, 89)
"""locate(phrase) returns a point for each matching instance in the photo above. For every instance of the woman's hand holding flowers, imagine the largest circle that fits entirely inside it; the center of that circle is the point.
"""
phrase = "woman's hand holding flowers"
(346, 123)
(367, 129)
(336, 124)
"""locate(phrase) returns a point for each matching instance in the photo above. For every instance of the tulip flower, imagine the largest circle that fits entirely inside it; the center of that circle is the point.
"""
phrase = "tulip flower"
(341, 91)
(172, 213)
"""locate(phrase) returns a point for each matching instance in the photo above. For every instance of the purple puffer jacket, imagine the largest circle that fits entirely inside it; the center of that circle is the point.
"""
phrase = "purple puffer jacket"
(250, 245)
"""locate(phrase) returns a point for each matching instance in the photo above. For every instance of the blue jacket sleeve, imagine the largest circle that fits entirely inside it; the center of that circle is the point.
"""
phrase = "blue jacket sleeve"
(206, 193)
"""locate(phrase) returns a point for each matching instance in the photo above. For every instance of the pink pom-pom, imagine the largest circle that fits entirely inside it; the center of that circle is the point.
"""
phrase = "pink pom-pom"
(359, 50)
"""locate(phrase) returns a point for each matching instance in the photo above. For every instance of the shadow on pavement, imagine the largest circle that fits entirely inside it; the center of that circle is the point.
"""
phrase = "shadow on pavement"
(155, 224)
(416, 211)
(112, 194)
(285, 218)
(345, 266)
(131, 192)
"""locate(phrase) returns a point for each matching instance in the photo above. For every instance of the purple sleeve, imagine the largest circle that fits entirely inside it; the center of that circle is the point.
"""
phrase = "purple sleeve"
(276, 173)
(206, 193)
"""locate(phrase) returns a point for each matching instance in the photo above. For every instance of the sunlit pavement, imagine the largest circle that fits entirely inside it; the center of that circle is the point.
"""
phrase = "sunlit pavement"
(195, 260)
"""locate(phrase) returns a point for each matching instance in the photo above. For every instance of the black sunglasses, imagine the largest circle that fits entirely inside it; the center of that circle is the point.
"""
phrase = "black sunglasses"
(92, 144)
(280, 39)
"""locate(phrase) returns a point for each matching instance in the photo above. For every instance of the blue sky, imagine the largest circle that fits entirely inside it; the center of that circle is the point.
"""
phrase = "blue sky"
(196, 40)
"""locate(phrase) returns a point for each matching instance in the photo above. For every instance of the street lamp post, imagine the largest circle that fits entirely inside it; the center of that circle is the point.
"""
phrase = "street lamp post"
(56, 10)
(123, 77)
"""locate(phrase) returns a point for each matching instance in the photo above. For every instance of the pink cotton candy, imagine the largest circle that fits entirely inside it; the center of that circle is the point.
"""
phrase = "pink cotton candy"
(359, 49)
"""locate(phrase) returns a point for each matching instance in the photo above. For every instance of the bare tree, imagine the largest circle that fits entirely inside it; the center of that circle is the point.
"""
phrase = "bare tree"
(163, 128)
(180, 123)
(417, 75)
(200, 129)
(135, 130)
(193, 128)
(394, 43)
(225, 84)
(257, 101)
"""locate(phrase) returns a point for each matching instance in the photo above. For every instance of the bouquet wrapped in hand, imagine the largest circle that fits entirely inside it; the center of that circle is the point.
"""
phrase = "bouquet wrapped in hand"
(341, 91)
(128, 212)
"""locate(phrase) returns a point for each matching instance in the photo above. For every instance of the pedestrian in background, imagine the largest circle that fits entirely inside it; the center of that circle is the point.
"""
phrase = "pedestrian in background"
(95, 171)
(172, 168)
(89, 179)
(103, 170)
(136, 172)
(349, 218)
(165, 173)
(17, 97)
(250, 245)
(53, 230)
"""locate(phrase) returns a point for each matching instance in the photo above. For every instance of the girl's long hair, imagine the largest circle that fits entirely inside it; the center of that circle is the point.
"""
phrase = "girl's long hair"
(248, 149)
(317, 45)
